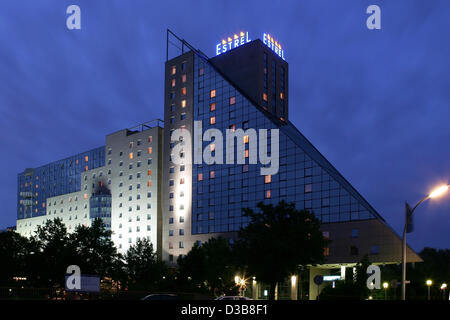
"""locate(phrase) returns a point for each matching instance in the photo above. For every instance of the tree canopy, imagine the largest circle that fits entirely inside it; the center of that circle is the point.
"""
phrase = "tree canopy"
(277, 240)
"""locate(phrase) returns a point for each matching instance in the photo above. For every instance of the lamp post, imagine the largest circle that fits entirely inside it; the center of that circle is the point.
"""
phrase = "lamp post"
(385, 286)
(429, 283)
(241, 283)
(408, 216)
(443, 288)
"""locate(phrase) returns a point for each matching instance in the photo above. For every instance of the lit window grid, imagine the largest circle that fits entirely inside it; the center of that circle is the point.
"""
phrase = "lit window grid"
(327, 199)
(56, 178)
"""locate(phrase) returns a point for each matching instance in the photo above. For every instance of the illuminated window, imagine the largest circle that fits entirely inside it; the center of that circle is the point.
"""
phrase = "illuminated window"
(86, 158)
(85, 196)
(149, 172)
(149, 183)
(246, 153)
(200, 177)
(182, 181)
(149, 150)
(183, 91)
(326, 252)
(232, 100)
(233, 127)
(212, 120)
(265, 96)
(212, 147)
(76, 161)
(268, 179)
(212, 94)
(173, 70)
(268, 194)
(183, 78)
(212, 174)
(173, 83)
(183, 103)
(86, 168)
(130, 155)
(212, 107)
(281, 95)
(245, 139)
(150, 139)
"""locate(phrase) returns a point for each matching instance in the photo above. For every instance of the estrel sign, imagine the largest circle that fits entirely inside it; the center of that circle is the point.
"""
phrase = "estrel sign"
(232, 42)
(274, 45)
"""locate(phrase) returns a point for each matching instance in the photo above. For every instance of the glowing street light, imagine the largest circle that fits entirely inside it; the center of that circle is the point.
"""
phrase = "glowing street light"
(443, 288)
(429, 284)
(385, 286)
(241, 282)
(437, 192)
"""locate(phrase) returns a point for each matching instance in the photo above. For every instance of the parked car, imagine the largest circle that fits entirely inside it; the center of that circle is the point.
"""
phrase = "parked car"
(161, 296)
(232, 298)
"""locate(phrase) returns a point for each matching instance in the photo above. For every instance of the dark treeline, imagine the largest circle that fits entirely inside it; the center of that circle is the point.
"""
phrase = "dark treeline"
(279, 241)
(275, 243)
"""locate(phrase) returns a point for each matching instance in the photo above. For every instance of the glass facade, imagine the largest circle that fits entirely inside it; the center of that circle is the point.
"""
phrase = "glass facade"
(54, 179)
(305, 177)
(100, 206)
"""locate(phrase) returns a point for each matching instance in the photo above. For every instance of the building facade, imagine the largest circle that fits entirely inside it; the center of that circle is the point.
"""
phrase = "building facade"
(247, 88)
(154, 182)
(121, 186)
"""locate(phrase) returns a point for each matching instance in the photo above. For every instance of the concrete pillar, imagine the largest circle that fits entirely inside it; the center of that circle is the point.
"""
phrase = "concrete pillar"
(343, 272)
(294, 287)
(276, 291)
(254, 290)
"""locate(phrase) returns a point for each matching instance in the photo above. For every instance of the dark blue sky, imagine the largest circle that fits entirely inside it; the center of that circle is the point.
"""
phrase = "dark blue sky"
(375, 103)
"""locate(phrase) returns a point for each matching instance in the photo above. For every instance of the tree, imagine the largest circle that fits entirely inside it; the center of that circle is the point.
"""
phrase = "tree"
(208, 267)
(144, 270)
(53, 255)
(192, 268)
(277, 241)
(14, 250)
(95, 252)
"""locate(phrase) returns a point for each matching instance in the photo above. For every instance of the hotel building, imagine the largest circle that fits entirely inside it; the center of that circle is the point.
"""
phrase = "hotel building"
(134, 184)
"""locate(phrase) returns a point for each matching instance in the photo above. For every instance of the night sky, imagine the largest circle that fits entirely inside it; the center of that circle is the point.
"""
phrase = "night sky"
(376, 103)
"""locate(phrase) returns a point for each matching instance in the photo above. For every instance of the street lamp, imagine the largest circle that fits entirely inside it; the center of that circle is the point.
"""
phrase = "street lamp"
(385, 286)
(408, 216)
(241, 282)
(429, 283)
(443, 288)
